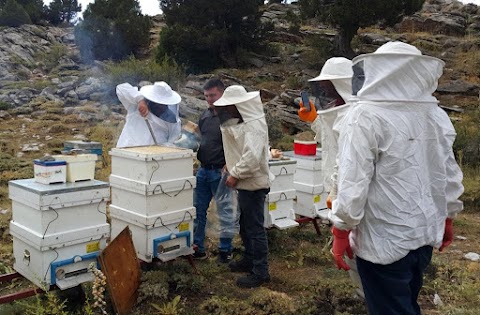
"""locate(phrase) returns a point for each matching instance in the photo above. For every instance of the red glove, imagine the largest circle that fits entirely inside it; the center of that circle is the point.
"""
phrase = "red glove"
(340, 246)
(329, 202)
(448, 235)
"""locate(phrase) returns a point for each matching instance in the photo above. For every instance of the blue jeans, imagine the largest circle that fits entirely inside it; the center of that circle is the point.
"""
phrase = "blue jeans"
(207, 184)
(393, 289)
(252, 231)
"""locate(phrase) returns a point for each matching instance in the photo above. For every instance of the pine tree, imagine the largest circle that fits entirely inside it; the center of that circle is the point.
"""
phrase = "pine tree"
(112, 29)
(349, 15)
(63, 11)
(34, 9)
(208, 34)
(13, 14)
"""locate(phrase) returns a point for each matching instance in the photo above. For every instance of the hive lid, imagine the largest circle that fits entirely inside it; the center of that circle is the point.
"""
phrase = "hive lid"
(82, 144)
(291, 154)
(74, 158)
(153, 152)
(281, 162)
(41, 189)
(49, 163)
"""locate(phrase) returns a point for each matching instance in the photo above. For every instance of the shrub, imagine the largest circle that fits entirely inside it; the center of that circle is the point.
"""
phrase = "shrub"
(467, 142)
(5, 106)
(134, 71)
(52, 57)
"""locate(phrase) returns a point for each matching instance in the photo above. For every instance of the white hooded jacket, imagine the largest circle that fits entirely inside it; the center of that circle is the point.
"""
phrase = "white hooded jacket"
(398, 178)
(135, 132)
(326, 127)
(246, 146)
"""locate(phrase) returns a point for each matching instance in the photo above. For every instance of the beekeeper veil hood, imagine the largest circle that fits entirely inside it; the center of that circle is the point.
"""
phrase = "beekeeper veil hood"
(337, 70)
(162, 101)
(248, 104)
(396, 72)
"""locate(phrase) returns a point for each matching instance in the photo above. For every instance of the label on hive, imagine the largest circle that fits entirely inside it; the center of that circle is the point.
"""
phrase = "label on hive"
(272, 206)
(93, 247)
(184, 226)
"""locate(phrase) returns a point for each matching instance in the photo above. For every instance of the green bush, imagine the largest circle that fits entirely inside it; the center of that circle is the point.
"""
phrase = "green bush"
(467, 142)
(5, 106)
(51, 58)
(134, 71)
(13, 14)
(320, 50)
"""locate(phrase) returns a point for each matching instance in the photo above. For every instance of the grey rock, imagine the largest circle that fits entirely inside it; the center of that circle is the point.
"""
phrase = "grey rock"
(458, 87)
(71, 98)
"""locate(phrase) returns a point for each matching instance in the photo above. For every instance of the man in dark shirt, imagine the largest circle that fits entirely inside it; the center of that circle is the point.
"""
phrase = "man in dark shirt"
(212, 159)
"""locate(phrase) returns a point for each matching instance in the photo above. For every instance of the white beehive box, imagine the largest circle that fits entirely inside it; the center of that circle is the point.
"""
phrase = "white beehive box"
(284, 171)
(309, 168)
(50, 172)
(152, 199)
(151, 164)
(60, 258)
(165, 236)
(279, 210)
(310, 201)
(51, 209)
(79, 166)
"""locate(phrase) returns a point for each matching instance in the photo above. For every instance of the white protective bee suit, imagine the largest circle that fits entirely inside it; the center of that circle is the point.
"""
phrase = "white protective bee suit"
(136, 132)
(337, 70)
(327, 126)
(246, 146)
(398, 178)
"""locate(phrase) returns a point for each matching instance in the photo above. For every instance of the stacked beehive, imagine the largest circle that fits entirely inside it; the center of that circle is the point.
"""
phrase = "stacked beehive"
(58, 229)
(279, 202)
(152, 193)
(309, 186)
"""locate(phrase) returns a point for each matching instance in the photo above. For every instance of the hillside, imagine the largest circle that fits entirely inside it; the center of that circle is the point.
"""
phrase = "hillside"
(48, 96)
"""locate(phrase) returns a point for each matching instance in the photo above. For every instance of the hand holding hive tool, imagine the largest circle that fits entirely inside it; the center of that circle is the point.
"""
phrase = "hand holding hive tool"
(151, 131)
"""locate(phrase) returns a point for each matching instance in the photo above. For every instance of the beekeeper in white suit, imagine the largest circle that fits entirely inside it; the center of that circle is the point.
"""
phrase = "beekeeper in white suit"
(245, 143)
(332, 90)
(154, 106)
(398, 181)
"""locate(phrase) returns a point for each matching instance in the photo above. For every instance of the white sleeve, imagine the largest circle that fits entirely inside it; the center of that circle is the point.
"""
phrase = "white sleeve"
(454, 188)
(357, 154)
(129, 96)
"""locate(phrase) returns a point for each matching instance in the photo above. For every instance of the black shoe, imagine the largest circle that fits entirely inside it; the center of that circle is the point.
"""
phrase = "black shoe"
(240, 266)
(225, 257)
(199, 256)
(252, 281)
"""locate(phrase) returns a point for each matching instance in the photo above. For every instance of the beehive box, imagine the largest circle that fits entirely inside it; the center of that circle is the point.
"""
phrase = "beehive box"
(165, 236)
(310, 201)
(51, 209)
(50, 172)
(60, 258)
(152, 164)
(279, 211)
(80, 167)
(91, 147)
(284, 171)
(309, 168)
(155, 198)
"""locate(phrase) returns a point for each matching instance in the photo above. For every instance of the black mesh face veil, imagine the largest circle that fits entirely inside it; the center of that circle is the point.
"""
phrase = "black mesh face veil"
(326, 96)
(164, 112)
(358, 78)
(225, 113)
